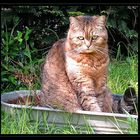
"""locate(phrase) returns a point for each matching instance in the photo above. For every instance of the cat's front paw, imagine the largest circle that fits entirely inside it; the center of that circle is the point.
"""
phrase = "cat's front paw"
(95, 108)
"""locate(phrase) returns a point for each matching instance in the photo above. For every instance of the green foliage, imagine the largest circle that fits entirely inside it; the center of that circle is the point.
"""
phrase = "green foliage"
(46, 22)
(28, 32)
(18, 68)
(122, 25)
(122, 74)
(20, 123)
(132, 123)
(49, 22)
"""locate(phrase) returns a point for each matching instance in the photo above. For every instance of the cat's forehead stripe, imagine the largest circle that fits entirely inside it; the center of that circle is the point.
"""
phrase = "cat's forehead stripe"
(87, 18)
(88, 23)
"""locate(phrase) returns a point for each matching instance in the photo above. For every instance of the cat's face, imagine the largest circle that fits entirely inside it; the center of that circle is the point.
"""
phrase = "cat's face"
(87, 34)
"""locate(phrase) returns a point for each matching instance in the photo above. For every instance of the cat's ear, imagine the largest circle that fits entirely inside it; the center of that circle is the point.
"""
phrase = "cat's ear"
(73, 22)
(101, 21)
(130, 94)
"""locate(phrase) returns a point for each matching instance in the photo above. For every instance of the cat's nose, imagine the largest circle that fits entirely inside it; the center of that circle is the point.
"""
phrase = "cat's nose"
(87, 43)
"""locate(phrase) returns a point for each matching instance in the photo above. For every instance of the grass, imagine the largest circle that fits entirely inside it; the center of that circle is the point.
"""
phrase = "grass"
(23, 125)
(121, 74)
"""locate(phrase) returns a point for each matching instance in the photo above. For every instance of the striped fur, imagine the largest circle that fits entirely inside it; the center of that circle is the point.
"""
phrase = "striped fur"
(75, 71)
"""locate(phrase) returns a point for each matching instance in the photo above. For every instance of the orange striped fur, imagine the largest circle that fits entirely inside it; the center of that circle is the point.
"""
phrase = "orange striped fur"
(75, 71)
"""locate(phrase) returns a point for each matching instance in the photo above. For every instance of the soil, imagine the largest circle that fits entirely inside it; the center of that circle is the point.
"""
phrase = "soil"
(26, 100)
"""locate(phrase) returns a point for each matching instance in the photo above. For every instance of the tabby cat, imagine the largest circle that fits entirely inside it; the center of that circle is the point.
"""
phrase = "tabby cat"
(128, 102)
(74, 75)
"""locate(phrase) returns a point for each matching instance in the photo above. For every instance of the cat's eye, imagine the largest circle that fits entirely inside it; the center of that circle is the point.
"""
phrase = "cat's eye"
(94, 37)
(81, 37)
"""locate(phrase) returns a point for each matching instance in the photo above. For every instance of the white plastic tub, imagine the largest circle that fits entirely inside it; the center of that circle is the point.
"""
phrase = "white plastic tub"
(101, 123)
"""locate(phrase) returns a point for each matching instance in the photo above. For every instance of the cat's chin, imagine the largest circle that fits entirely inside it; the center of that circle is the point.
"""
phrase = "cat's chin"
(87, 51)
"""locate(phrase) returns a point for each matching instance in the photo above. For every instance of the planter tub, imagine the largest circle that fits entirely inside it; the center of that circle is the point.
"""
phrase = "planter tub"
(101, 123)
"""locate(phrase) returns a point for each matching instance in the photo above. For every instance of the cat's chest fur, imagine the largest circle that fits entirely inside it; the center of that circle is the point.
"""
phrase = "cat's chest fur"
(84, 66)
(72, 67)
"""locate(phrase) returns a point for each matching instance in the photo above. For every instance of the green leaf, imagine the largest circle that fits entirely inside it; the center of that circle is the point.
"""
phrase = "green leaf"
(111, 23)
(32, 44)
(27, 52)
(19, 37)
(13, 80)
(21, 64)
(4, 66)
(5, 80)
(27, 34)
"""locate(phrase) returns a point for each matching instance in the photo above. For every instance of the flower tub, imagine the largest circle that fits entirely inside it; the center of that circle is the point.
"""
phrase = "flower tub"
(99, 122)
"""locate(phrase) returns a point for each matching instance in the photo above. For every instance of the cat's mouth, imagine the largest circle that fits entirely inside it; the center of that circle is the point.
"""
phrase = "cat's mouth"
(85, 50)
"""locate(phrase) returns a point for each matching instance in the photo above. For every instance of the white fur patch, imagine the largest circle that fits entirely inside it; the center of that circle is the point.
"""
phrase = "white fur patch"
(72, 66)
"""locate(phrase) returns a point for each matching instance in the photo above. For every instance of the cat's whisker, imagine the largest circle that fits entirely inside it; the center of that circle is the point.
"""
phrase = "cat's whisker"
(72, 50)
(111, 52)
(103, 52)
